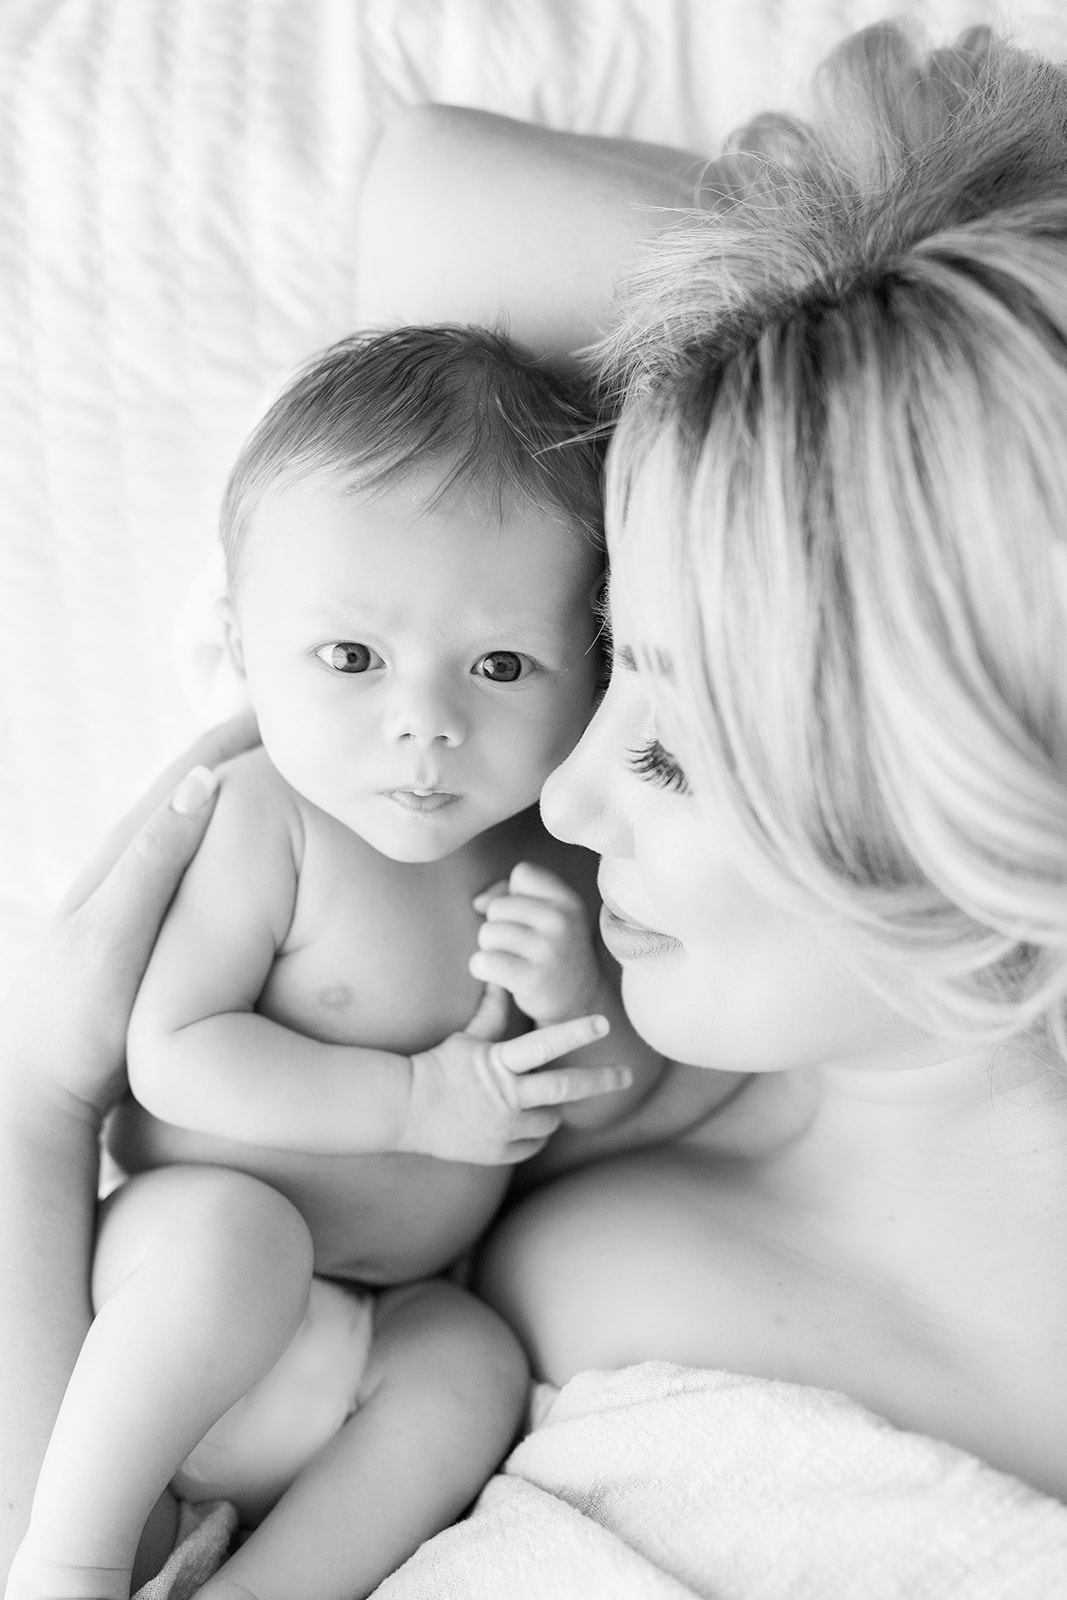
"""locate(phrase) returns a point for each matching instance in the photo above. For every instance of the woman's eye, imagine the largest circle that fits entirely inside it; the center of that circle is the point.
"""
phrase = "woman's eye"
(347, 656)
(501, 666)
(656, 765)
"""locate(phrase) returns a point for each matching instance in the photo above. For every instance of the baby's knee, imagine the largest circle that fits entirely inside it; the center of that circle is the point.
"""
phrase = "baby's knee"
(212, 1233)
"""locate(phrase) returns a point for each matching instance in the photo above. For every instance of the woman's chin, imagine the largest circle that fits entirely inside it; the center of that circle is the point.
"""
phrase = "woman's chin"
(661, 1016)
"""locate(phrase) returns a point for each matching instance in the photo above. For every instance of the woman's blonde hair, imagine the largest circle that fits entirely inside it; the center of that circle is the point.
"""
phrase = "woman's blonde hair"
(841, 471)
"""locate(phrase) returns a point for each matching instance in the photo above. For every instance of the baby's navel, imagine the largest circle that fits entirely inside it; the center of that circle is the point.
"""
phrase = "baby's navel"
(336, 996)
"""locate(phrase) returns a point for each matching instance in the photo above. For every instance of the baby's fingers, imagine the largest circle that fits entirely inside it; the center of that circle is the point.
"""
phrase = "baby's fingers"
(562, 1085)
(491, 1016)
(481, 902)
(532, 1050)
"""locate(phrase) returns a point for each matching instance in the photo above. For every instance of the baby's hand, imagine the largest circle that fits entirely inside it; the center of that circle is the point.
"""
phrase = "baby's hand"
(495, 1102)
(535, 942)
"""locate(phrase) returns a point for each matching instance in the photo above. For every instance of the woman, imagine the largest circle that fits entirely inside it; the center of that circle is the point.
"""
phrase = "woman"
(828, 782)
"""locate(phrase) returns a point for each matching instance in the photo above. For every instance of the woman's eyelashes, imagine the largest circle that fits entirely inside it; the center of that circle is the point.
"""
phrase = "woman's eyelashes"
(656, 765)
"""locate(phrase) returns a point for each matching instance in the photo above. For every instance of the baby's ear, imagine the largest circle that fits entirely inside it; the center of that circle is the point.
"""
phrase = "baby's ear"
(231, 632)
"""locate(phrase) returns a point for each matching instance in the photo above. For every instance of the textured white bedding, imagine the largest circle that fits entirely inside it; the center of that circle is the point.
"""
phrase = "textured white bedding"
(178, 190)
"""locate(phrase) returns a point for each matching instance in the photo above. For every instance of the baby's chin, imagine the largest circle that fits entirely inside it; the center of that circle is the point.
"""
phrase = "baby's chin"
(411, 838)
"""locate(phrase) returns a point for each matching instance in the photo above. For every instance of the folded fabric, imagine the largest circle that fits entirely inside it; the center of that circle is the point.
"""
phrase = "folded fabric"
(204, 1535)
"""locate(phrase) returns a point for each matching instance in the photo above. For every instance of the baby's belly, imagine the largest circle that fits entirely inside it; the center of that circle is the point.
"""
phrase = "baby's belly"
(375, 1219)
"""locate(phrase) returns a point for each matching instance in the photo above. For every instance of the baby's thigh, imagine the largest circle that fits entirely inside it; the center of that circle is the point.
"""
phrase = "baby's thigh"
(203, 1229)
(443, 1353)
(254, 1452)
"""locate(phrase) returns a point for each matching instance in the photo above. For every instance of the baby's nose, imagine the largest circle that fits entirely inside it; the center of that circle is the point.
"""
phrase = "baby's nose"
(427, 715)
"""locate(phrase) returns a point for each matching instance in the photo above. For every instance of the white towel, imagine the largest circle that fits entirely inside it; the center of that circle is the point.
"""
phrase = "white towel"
(661, 1482)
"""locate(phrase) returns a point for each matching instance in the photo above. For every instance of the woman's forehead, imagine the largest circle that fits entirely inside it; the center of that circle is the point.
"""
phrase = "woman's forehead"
(637, 628)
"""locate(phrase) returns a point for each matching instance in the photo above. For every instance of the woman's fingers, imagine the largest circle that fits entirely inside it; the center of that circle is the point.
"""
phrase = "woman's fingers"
(129, 902)
(116, 925)
(65, 1018)
(216, 745)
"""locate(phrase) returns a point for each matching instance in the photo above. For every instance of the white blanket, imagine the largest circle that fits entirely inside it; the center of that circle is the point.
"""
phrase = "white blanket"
(667, 1483)
(179, 187)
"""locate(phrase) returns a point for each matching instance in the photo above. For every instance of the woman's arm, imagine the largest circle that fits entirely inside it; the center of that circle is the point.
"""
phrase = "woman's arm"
(470, 217)
(62, 1040)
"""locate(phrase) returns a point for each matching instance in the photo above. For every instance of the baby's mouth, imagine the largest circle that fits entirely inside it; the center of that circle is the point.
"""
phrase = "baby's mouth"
(422, 801)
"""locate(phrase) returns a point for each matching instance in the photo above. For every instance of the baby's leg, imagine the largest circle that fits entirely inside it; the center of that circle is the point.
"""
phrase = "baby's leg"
(200, 1279)
(440, 1404)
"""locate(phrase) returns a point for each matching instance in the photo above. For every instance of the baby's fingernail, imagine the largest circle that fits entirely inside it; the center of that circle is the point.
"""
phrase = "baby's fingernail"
(479, 902)
(194, 791)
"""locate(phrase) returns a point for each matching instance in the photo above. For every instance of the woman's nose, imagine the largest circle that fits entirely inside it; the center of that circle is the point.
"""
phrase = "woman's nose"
(578, 800)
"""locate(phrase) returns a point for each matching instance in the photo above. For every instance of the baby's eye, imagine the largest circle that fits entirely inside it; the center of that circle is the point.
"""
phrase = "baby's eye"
(347, 656)
(501, 666)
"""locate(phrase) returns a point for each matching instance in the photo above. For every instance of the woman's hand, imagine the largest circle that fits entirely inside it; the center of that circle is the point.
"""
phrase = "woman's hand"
(63, 1021)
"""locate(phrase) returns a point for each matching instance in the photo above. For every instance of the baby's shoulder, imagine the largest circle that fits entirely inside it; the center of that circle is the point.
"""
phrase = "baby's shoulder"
(251, 782)
(256, 809)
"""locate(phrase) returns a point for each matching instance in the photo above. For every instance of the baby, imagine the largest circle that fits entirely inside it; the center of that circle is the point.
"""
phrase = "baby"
(413, 552)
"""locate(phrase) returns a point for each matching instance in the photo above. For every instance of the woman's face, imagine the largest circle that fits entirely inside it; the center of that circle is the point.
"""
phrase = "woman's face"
(713, 972)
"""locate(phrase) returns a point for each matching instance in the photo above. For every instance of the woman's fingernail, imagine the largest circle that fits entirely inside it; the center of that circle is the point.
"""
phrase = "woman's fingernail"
(194, 791)
(600, 1025)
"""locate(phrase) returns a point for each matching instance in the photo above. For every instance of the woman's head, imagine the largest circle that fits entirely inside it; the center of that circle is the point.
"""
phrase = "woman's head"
(837, 516)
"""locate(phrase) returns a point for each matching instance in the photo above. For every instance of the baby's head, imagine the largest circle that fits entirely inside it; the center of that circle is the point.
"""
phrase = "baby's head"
(412, 538)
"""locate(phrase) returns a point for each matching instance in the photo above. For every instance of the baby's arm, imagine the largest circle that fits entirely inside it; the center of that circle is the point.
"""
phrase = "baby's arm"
(202, 1058)
(537, 942)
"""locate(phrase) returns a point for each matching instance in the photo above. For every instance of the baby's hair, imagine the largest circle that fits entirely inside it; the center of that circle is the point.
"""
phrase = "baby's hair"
(456, 406)
(841, 477)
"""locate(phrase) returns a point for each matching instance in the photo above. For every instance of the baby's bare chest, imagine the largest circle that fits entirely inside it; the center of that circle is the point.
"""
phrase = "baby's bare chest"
(378, 950)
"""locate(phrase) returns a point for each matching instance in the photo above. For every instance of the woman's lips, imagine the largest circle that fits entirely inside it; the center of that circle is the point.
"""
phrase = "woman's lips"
(631, 941)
